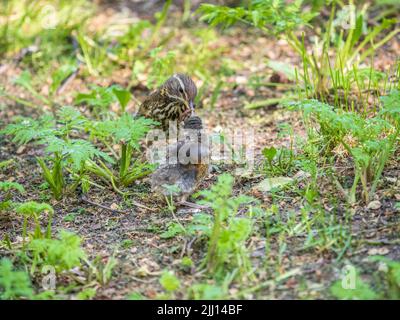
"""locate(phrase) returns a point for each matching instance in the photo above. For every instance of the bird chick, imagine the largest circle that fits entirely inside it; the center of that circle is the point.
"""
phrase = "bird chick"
(172, 101)
(187, 166)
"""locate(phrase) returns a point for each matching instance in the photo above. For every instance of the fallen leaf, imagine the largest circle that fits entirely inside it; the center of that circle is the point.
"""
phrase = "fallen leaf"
(374, 205)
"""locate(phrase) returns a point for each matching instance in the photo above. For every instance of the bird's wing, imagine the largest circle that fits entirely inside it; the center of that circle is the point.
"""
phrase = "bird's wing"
(147, 105)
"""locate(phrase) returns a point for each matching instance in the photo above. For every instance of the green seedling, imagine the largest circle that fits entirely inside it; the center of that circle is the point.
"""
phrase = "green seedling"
(127, 132)
(13, 284)
(33, 210)
(228, 233)
(63, 253)
(319, 75)
(7, 188)
(100, 98)
(369, 141)
(64, 153)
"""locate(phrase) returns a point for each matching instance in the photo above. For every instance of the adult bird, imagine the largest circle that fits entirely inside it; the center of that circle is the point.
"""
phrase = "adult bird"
(172, 101)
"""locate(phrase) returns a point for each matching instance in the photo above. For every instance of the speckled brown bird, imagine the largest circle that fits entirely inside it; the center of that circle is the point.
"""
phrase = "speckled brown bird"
(188, 171)
(172, 101)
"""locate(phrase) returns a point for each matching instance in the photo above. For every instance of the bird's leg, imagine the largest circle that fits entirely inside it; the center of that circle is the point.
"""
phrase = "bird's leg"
(192, 205)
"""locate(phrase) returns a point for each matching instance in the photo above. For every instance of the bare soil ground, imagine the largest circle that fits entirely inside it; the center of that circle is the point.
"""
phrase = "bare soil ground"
(142, 260)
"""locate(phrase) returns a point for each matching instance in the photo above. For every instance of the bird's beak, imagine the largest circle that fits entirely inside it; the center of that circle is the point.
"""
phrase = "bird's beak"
(192, 106)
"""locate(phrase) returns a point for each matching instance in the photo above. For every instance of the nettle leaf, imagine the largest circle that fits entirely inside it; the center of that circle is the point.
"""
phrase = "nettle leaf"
(103, 97)
(80, 151)
(372, 146)
(77, 151)
(25, 130)
(125, 129)
(71, 116)
(312, 107)
(102, 129)
(222, 15)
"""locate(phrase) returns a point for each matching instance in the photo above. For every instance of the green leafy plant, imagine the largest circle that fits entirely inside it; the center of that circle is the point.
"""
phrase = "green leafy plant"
(228, 233)
(26, 26)
(169, 281)
(86, 294)
(369, 141)
(270, 16)
(101, 98)
(93, 54)
(387, 285)
(335, 69)
(63, 253)
(13, 284)
(33, 210)
(102, 271)
(80, 157)
(392, 277)
(205, 291)
(63, 151)
(8, 187)
(170, 284)
(321, 77)
(362, 291)
(173, 229)
(281, 160)
(127, 132)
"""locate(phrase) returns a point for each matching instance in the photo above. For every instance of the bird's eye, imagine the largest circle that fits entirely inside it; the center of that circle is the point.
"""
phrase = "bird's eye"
(180, 90)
